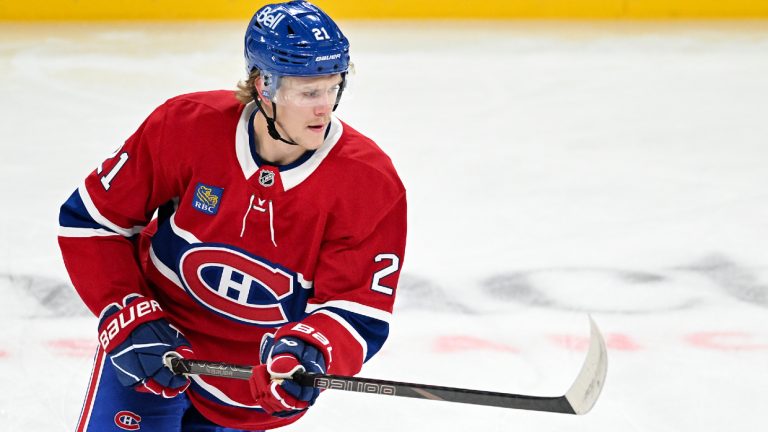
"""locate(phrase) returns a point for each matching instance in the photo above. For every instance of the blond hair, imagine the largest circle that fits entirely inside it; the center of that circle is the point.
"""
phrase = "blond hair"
(247, 89)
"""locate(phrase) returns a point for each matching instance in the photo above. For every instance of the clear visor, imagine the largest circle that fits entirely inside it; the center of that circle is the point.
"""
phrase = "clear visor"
(310, 91)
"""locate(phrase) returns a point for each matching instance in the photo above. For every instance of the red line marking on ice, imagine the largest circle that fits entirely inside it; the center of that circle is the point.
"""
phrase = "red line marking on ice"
(726, 341)
(613, 341)
(82, 347)
(3, 354)
(449, 344)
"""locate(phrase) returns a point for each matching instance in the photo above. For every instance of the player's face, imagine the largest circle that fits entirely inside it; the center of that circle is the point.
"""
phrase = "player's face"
(305, 105)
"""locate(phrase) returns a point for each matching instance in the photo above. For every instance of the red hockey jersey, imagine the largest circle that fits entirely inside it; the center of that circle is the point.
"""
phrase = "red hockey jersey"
(240, 248)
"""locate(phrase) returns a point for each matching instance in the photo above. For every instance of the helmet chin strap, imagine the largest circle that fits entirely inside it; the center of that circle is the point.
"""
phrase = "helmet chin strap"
(271, 122)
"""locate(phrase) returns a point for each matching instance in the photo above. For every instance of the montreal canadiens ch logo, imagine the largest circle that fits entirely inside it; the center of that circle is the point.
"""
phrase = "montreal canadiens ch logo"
(235, 285)
(127, 420)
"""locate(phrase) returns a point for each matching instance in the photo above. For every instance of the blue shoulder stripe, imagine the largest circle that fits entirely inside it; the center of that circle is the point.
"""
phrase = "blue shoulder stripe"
(167, 246)
(372, 330)
(73, 214)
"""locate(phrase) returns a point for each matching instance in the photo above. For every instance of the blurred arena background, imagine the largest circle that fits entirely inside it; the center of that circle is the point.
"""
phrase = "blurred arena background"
(611, 155)
(387, 9)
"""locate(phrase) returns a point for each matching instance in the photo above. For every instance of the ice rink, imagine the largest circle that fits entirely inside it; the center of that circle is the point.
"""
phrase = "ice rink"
(553, 170)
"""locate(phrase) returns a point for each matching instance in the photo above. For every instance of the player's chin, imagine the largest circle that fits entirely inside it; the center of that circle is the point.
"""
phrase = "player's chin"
(312, 140)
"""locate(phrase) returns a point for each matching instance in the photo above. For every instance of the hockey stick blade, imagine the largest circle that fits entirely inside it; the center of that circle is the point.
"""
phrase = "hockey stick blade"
(579, 399)
(589, 383)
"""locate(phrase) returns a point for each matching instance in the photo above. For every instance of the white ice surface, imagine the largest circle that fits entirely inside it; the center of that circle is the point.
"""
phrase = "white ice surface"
(553, 169)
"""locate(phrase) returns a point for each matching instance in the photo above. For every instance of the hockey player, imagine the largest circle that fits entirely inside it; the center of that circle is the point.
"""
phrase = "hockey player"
(278, 241)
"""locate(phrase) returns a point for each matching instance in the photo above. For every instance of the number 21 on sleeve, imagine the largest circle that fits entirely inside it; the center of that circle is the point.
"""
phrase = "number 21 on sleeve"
(394, 265)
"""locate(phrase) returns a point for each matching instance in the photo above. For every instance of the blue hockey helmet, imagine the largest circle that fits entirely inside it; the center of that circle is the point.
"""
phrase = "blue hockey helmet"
(295, 39)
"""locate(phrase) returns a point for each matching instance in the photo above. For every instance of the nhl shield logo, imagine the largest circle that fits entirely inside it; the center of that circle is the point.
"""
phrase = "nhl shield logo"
(266, 178)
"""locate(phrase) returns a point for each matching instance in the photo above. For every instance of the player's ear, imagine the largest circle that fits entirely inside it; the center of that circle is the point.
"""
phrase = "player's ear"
(260, 92)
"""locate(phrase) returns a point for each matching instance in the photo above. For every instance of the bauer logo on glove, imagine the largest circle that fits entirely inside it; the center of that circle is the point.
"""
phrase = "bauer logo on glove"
(122, 321)
(136, 337)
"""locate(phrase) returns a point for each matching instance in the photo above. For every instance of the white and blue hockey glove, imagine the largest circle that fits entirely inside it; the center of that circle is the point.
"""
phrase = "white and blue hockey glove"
(270, 382)
(135, 338)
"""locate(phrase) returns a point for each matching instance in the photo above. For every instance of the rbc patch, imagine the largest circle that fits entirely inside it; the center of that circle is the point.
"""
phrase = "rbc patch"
(207, 199)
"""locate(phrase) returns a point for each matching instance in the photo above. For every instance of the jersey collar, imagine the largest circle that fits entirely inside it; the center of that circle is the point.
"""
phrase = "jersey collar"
(292, 174)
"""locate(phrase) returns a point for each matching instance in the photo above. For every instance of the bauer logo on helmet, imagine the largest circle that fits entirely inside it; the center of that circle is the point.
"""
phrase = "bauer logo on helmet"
(328, 57)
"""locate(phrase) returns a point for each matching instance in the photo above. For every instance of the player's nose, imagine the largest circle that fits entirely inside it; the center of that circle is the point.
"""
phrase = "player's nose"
(323, 110)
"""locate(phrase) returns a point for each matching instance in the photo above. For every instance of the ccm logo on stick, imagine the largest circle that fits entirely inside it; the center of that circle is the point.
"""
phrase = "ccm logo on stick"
(362, 387)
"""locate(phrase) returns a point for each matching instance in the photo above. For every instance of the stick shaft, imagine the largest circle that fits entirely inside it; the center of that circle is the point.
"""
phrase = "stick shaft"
(579, 399)
(383, 387)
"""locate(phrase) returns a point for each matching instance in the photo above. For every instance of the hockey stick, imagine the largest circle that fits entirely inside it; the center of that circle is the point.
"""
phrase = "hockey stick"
(579, 399)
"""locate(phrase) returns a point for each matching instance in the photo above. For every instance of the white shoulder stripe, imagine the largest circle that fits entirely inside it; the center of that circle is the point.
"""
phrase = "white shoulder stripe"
(101, 220)
(186, 235)
(349, 306)
(164, 269)
(350, 329)
(218, 394)
(85, 232)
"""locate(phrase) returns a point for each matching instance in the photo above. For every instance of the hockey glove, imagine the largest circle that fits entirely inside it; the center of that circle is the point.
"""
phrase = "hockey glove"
(270, 382)
(136, 337)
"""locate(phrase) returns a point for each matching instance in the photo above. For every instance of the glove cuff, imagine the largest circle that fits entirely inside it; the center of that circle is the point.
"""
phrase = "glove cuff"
(309, 336)
(118, 322)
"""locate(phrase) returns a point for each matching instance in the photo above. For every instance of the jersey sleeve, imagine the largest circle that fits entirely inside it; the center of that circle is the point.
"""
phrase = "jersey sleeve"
(355, 283)
(100, 222)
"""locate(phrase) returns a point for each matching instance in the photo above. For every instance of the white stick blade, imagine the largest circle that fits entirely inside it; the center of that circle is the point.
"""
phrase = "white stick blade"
(586, 389)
